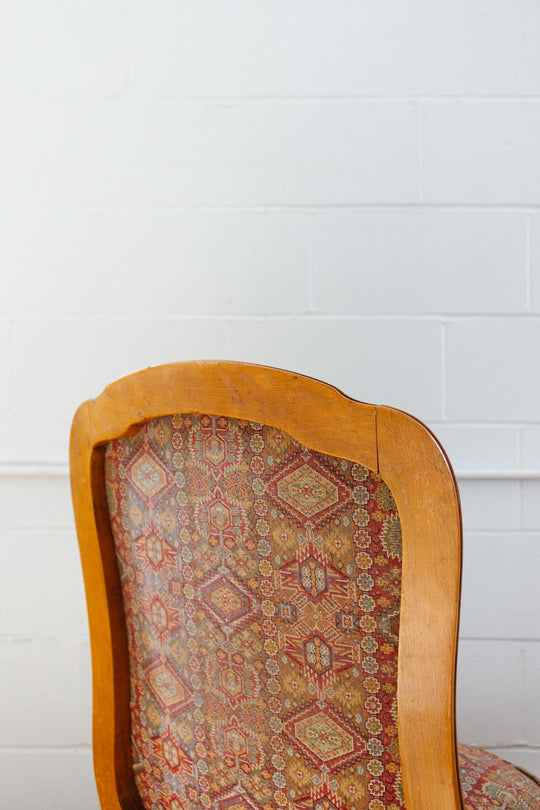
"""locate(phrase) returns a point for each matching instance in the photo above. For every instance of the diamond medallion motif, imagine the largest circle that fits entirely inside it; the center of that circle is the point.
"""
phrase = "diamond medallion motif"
(148, 474)
(227, 600)
(167, 686)
(308, 490)
(324, 736)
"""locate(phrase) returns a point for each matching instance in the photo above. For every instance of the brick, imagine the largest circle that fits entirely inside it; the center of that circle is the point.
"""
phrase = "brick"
(392, 362)
(152, 152)
(490, 505)
(530, 504)
(48, 779)
(356, 152)
(93, 152)
(253, 49)
(44, 678)
(56, 48)
(492, 369)
(479, 447)
(40, 575)
(530, 447)
(77, 357)
(419, 262)
(500, 586)
(48, 497)
(30, 443)
(154, 262)
(489, 708)
(482, 152)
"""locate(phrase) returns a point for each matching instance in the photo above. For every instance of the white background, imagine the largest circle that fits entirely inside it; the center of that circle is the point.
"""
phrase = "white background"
(346, 188)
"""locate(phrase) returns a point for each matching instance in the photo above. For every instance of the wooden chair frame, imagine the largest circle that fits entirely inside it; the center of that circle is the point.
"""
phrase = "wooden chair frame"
(386, 440)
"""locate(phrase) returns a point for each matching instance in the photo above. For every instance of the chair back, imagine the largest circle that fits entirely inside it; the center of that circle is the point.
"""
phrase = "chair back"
(262, 643)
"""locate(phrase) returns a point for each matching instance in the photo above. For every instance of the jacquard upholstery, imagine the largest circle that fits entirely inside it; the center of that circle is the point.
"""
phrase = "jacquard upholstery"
(489, 782)
(261, 585)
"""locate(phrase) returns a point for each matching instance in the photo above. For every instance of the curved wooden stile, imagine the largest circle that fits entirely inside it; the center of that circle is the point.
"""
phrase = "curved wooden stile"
(409, 460)
(418, 473)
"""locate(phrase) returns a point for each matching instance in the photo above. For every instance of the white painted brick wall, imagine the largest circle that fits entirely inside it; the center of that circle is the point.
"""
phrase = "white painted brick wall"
(482, 152)
(364, 262)
(58, 48)
(492, 369)
(335, 48)
(496, 447)
(346, 189)
(492, 563)
(530, 438)
(100, 260)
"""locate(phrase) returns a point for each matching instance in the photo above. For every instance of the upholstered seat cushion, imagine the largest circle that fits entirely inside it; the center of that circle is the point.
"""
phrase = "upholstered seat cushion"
(490, 782)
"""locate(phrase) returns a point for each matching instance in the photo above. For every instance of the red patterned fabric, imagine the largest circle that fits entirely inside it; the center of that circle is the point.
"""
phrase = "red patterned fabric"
(490, 782)
(261, 585)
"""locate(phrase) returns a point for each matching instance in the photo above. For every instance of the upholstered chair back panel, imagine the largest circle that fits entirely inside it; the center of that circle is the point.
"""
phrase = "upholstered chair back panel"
(261, 584)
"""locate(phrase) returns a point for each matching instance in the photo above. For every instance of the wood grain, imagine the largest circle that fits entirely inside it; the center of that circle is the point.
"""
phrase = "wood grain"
(321, 417)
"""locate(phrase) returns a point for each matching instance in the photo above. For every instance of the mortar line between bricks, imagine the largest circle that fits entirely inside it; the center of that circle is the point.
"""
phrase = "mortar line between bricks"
(443, 370)
(421, 151)
(12, 366)
(278, 208)
(478, 535)
(52, 749)
(302, 98)
(521, 505)
(528, 272)
(523, 688)
(311, 267)
(130, 48)
(499, 640)
(76, 641)
(288, 316)
(519, 445)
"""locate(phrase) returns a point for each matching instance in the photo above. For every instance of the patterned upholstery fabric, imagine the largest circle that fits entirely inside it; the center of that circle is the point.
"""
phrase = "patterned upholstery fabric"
(490, 782)
(261, 585)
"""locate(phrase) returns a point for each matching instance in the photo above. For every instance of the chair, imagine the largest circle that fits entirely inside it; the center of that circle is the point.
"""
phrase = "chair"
(272, 573)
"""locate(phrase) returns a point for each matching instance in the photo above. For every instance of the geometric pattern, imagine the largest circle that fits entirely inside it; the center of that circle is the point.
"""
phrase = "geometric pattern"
(261, 587)
(261, 584)
(307, 490)
(226, 599)
(167, 686)
(490, 782)
(326, 739)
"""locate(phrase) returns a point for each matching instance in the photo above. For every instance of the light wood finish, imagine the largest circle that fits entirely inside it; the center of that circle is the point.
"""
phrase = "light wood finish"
(318, 415)
(416, 470)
